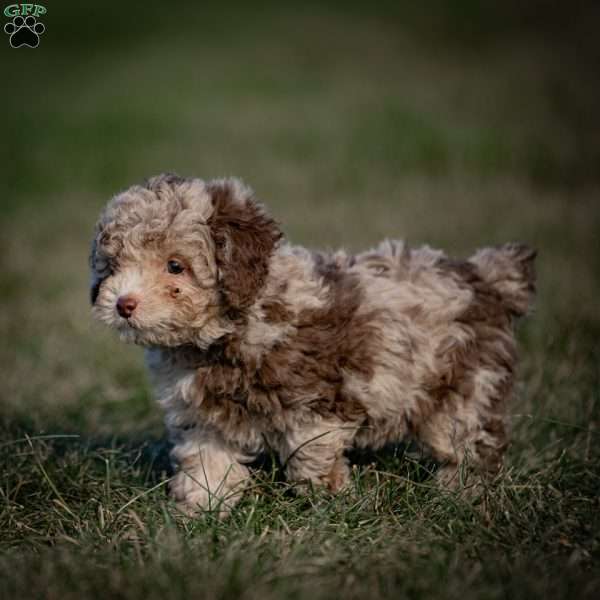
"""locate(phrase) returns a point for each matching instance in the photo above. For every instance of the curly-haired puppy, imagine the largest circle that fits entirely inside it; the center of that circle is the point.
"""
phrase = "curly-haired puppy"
(253, 343)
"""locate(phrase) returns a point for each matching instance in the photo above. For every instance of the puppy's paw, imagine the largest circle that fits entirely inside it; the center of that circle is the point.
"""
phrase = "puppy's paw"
(468, 483)
(192, 511)
(339, 476)
(193, 495)
(335, 480)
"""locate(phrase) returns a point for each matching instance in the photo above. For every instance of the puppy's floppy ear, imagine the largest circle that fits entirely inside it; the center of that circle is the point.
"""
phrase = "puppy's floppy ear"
(245, 237)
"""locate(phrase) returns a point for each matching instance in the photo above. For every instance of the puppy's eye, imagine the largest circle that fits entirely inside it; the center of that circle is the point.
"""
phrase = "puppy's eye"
(175, 267)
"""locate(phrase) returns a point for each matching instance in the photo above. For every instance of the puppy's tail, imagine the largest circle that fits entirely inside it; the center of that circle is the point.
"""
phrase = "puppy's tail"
(510, 271)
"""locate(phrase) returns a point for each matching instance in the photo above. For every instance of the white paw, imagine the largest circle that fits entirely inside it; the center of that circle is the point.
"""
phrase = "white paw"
(195, 495)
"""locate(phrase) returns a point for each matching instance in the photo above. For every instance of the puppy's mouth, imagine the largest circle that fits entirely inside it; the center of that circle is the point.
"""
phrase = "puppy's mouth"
(129, 331)
(127, 324)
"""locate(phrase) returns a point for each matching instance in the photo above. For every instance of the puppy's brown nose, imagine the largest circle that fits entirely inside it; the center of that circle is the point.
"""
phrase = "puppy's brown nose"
(126, 305)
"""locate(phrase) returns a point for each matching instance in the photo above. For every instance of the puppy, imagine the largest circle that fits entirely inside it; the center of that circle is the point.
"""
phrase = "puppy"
(255, 344)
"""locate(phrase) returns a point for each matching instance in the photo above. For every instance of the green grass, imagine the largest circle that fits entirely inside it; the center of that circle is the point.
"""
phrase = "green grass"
(457, 125)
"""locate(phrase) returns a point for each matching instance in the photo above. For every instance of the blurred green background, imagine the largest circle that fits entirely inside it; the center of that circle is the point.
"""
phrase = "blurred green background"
(456, 124)
(453, 123)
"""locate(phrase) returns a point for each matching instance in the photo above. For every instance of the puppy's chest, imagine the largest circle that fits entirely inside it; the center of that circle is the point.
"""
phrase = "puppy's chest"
(173, 383)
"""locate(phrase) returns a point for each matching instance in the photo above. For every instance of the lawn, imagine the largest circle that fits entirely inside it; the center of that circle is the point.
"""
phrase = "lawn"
(458, 125)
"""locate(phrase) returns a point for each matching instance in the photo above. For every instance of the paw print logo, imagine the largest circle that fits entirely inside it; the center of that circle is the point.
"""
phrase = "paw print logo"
(24, 31)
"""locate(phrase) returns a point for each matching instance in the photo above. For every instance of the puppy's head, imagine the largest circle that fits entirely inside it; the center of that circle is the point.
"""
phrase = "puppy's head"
(177, 261)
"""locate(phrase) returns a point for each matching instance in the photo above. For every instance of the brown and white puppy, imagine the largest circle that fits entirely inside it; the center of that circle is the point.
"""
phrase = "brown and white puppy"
(253, 343)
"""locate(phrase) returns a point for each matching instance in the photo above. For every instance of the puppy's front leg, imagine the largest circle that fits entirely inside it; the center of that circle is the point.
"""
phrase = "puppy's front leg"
(209, 475)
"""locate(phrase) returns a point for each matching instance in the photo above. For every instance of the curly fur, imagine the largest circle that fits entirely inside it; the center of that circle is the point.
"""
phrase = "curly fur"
(259, 344)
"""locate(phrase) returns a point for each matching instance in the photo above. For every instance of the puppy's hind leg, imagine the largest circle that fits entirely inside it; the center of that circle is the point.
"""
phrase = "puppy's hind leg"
(465, 443)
